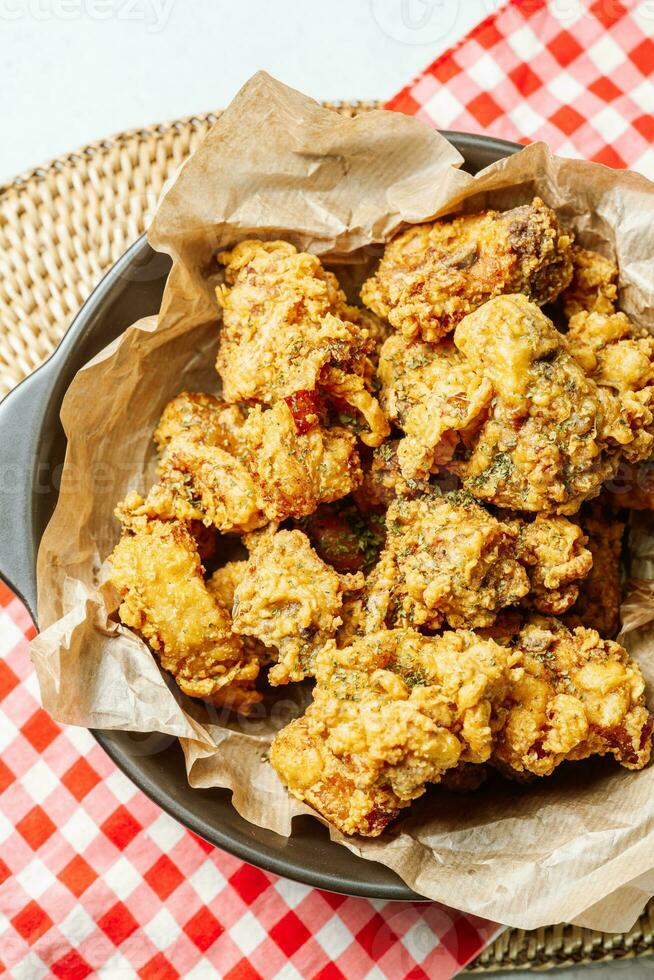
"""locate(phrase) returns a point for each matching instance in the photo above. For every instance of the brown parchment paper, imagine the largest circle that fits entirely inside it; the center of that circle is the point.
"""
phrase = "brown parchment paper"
(578, 846)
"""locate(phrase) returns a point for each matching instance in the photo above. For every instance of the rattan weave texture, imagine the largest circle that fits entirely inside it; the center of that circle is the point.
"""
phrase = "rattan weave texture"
(61, 228)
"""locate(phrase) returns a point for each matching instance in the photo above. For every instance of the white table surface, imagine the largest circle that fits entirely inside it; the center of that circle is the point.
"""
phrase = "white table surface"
(72, 71)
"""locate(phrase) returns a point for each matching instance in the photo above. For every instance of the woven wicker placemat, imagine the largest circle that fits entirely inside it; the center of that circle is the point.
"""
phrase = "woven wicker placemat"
(61, 227)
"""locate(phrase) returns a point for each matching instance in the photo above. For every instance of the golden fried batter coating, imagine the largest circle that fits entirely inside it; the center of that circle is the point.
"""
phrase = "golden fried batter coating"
(620, 359)
(291, 601)
(391, 713)
(212, 485)
(554, 553)
(224, 581)
(572, 695)
(552, 435)
(270, 472)
(446, 560)
(199, 418)
(222, 586)
(433, 275)
(287, 329)
(436, 397)
(158, 573)
(600, 594)
(297, 471)
(594, 283)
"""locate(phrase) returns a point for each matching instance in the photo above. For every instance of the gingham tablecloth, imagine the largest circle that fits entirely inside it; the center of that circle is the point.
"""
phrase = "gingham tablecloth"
(575, 74)
(94, 877)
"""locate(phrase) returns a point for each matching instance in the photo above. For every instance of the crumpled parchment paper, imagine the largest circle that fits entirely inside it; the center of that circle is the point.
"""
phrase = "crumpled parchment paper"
(577, 846)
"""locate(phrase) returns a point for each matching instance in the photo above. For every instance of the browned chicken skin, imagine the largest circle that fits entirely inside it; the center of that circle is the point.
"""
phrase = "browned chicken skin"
(158, 573)
(287, 330)
(391, 713)
(572, 695)
(290, 601)
(431, 276)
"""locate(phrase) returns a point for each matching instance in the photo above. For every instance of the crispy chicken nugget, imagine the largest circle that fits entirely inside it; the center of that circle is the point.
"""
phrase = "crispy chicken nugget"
(288, 329)
(446, 560)
(297, 470)
(435, 395)
(432, 275)
(572, 695)
(552, 435)
(620, 359)
(202, 481)
(391, 713)
(594, 283)
(291, 601)
(553, 552)
(158, 573)
(273, 469)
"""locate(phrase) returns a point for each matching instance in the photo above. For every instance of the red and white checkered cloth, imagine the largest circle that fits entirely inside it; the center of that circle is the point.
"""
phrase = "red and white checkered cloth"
(93, 876)
(575, 74)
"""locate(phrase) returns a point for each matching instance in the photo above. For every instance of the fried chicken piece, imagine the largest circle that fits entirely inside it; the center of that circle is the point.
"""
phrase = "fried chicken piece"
(158, 573)
(291, 601)
(553, 551)
(383, 481)
(223, 583)
(572, 695)
(272, 470)
(511, 412)
(432, 275)
(344, 537)
(552, 435)
(199, 418)
(202, 481)
(446, 560)
(297, 470)
(594, 283)
(620, 359)
(390, 713)
(222, 586)
(435, 396)
(600, 594)
(287, 329)
(212, 485)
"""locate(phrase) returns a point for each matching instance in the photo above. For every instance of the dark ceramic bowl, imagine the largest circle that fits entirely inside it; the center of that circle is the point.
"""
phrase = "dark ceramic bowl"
(32, 447)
